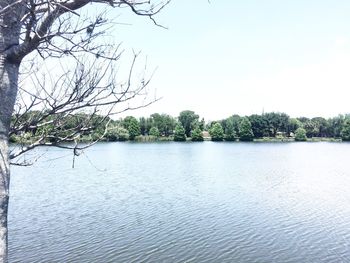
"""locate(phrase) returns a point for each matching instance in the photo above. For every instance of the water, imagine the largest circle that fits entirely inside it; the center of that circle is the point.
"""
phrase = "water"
(184, 202)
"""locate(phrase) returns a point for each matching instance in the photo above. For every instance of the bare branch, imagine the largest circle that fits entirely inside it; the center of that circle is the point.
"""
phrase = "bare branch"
(74, 105)
(45, 20)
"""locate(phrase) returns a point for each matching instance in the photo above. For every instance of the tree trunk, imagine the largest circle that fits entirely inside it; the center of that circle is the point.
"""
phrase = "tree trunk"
(9, 69)
(8, 91)
(4, 198)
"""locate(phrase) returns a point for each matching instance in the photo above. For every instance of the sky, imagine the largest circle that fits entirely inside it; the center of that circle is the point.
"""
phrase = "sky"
(220, 58)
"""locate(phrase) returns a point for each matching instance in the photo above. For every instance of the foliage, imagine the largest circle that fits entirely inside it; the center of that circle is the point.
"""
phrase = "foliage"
(260, 125)
(179, 134)
(276, 122)
(164, 123)
(300, 135)
(154, 132)
(201, 124)
(293, 125)
(162, 126)
(145, 125)
(196, 135)
(134, 130)
(321, 126)
(230, 123)
(188, 120)
(245, 130)
(335, 126)
(117, 134)
(311, 128)
(133, 127)
(230, 131)
(216, 132)
(345, 132)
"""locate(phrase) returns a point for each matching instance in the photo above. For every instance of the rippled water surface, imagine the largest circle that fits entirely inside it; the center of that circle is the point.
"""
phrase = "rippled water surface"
(184, 202)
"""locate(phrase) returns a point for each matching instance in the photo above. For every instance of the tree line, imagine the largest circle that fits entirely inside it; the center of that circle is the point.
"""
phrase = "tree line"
(189, 126)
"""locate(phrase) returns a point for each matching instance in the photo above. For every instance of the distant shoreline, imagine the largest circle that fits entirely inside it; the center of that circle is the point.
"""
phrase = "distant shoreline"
(151, 139)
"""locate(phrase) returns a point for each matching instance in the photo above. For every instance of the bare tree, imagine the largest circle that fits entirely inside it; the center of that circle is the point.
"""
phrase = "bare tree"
(76, 103)
(55, 29)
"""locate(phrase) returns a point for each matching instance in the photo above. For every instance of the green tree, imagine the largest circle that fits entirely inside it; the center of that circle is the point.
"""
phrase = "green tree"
(117, 134)
(164, 122)
(154, 132)
(345, 132)
(216, 132)
(202, 124)
(260, 125)
(179, 134)
(234, 120)
(133, 127)
(196, 135)
(277, 122)
(145, 125)
(188, 120)
(293, 125)
(245, 130)
(335, 126)
(300, 135)
(311, 128)
(230, 131)
(322, 126)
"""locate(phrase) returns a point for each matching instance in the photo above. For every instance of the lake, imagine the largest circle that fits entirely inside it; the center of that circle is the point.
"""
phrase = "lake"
(184, 202)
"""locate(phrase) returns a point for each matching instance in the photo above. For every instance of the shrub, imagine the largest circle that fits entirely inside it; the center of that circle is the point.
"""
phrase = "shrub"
(245, 130)
(154, 132)
(300, 135)
(345, 132)
(197, 135)
(216, 132)
(117, 134)
(179, 135)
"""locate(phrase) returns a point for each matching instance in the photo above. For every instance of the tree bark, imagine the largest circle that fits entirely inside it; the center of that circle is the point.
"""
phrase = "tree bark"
(8, 89)
(4, 198)
(9, 70)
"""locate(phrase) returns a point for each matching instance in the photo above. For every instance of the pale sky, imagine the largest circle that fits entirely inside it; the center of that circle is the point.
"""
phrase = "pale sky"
(227, 57)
